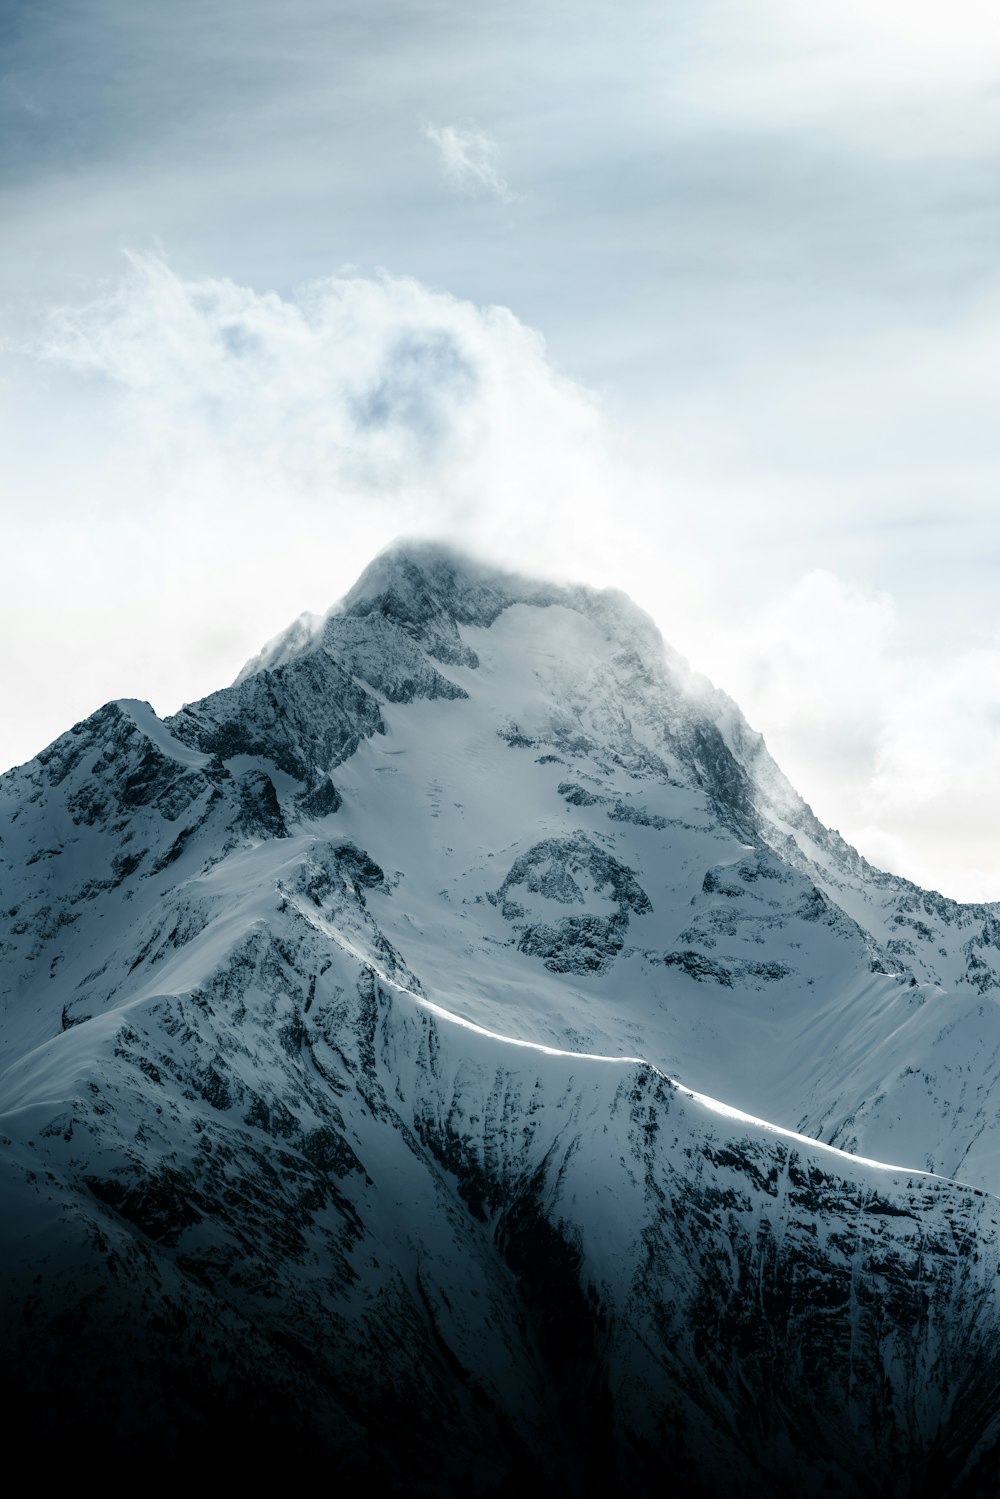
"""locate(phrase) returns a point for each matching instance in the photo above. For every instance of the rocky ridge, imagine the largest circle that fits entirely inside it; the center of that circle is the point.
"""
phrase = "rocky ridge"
(359, 1022)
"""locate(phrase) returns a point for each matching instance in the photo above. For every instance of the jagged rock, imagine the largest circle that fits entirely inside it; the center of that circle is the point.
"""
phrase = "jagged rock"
(322, 800)
(261, 811)
(331, 1137)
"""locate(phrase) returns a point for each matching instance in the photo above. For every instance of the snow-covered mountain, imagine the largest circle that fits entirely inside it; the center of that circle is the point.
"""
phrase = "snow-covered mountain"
(431, 1051)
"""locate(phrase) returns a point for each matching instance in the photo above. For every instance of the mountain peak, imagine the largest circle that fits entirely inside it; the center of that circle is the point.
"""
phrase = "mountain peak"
(382, 962)
(428, 588)
(412, 566)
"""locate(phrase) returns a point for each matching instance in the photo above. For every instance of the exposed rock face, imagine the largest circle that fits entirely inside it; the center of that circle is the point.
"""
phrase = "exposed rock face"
(343, 1021)
(560, 870)
(305, 717)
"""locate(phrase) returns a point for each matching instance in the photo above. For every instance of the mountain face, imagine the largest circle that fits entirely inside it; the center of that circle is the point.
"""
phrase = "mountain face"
(456, 1052)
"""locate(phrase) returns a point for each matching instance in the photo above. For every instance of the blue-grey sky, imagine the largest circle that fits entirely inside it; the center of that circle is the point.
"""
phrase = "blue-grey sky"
(699, 300)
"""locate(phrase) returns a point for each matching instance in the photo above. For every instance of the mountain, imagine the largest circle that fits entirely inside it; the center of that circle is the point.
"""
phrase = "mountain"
(455, 1052)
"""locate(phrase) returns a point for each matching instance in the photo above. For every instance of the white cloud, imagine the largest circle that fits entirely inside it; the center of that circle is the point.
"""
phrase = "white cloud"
(811, 667)
(902, 29)
(359, 393)
(895, 78)
(228, 458)
(898, 747)
(470, 160)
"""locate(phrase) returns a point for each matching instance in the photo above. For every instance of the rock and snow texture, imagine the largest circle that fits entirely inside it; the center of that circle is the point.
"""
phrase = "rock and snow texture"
(387, 1045)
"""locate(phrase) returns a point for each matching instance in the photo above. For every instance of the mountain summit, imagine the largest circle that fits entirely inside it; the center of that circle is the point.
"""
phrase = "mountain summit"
(455, 1051)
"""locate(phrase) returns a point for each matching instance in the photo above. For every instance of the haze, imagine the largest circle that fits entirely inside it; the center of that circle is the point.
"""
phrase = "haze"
(699, 302)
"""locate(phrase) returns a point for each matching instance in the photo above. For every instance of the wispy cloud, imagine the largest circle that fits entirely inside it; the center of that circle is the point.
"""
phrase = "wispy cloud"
(362, 386)
(897, 746)
(470, 160)
(800, 335)
(228, 458)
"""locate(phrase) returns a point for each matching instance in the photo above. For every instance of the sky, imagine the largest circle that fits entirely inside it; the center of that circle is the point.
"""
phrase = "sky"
(702, 302)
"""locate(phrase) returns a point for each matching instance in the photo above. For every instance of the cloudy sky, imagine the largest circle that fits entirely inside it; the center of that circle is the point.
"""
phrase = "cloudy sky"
(702, 301)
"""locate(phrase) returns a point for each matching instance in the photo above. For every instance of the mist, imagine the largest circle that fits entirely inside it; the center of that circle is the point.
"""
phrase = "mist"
(702, 304)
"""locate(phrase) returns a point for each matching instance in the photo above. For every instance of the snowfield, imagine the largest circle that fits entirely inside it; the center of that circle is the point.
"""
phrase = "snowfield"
(455, 1050)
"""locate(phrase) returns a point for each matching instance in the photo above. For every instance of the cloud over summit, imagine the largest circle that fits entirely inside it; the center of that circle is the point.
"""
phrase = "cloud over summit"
(371, 384)
(470, 160)
(240, 455)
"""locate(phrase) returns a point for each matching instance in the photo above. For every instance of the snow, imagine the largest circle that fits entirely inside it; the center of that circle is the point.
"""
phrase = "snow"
(710, 1072)
(146, 721)
(713, 1105)
(447, 800)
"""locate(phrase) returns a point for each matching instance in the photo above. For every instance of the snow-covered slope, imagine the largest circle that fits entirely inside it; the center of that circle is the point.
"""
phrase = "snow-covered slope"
(387, 1041)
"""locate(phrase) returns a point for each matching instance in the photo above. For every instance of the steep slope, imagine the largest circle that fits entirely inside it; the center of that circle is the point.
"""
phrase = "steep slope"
(296, 986)
(729, 980)
(296, 1198)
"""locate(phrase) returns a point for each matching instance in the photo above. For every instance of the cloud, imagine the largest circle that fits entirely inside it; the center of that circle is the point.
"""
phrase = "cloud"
(898, 746)
(813, 663)
(470, 161)
(358, 391)
(228, 457)
(901, 78)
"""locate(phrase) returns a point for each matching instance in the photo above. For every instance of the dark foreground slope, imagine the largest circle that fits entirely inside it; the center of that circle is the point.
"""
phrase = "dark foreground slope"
(301, 1157)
